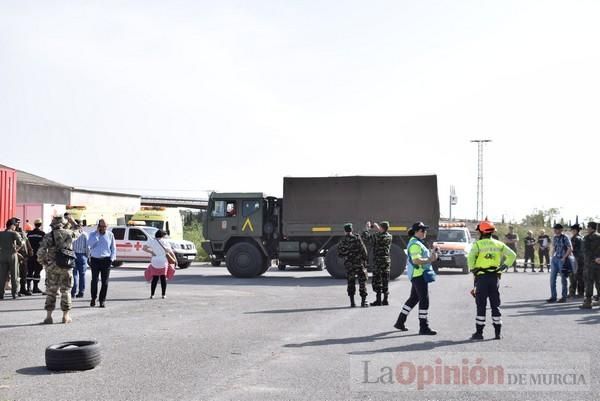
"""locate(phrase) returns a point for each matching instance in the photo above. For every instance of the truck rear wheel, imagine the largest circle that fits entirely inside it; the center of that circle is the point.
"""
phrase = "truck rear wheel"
(398, 261)
(244, 260)
(334, 264)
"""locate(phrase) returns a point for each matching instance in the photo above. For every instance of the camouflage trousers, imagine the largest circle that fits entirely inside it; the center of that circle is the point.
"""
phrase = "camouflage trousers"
(58, 280)
(381, 276)
(360, 273)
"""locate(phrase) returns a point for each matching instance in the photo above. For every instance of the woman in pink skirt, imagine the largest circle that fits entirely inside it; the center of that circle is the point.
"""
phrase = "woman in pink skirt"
(162, 264)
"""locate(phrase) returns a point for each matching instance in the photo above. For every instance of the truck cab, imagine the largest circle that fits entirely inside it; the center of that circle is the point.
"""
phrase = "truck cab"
(241, 228)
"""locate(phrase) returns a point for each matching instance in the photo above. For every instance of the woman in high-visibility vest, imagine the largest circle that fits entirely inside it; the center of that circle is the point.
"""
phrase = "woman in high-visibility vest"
(419, 260)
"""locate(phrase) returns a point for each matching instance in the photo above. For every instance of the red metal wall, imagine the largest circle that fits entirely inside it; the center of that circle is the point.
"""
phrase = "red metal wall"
(8, 195)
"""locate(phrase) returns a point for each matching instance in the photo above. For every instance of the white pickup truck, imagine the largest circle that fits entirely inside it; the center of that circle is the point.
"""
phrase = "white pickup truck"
(130, 242)
(454, 242)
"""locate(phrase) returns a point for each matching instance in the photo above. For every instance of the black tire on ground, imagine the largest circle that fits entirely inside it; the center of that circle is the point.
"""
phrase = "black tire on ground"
(73, 355)
(245, 260)
(117, 263)
(398, 261)
(184, 265)
(334, 264)
(215, 263)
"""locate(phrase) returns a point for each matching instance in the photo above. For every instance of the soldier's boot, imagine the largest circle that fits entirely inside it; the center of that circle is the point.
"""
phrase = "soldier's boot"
(498, 331)
(36, 289)
(28, 286)
(66, 317)
(385, 300)
(400, 322)
(48, 319)
(377, 299)
(587, 304)
(424, 329)
(363, 302)
(352, 303)
(478, 335)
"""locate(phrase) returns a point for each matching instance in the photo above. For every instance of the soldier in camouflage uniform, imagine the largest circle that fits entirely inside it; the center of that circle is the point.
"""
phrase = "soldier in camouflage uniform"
(380, 240)
(353, 251)
(591, 255)
(58, 279)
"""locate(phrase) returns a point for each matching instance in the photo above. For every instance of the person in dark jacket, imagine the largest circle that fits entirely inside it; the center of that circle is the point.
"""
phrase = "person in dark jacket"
(577, 286)
(530, 242)
(34, 268)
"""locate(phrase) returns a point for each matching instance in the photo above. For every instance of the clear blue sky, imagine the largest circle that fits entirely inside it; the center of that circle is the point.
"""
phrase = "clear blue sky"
(233, 95)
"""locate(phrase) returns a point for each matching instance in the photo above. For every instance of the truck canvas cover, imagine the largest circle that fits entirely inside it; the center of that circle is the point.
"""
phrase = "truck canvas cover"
(321, 205)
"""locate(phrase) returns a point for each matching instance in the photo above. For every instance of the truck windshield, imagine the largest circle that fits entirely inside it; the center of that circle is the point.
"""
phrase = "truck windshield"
(155, 223)
(452, 236)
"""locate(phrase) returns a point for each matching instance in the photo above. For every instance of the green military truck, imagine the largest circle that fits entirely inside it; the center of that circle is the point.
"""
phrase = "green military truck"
(248, 231)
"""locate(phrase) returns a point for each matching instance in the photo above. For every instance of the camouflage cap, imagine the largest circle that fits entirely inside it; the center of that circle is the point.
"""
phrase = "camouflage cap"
(57, 221)
(385, 225)
(348, 227)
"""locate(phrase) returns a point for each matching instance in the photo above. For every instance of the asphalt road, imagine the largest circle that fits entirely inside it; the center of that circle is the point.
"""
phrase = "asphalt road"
(286, 335)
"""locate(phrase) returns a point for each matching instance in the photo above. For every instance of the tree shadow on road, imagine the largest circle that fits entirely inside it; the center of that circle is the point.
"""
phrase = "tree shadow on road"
(350, 340)
(425, 346)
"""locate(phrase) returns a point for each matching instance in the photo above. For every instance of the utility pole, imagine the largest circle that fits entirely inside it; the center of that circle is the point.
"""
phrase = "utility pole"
(480, 144)
(453, 199)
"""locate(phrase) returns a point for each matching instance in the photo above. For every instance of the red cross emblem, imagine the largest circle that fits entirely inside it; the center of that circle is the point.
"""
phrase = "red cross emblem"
(137, 246)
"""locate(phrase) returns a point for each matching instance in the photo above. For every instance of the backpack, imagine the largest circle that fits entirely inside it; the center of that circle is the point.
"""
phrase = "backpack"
(64, 257)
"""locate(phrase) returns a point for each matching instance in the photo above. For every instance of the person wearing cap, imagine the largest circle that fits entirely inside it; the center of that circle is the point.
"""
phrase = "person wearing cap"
(420, 259)
(377, 236)
(80, 247)
(352, 249)
(23, 254)
(487, 259)
(529, 251)
(560, 263)
(591, 256)
(544, 250)
(577, 286)
(511, 240)
(34, 268)
(59, 270)
(10, 242)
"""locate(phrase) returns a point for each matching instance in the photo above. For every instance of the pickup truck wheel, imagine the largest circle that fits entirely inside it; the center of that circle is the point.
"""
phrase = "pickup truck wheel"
(244, 260)
(184, 265)
(334, 264)
(73, 355)
(398, 261)
(215, 263)
(117, 263)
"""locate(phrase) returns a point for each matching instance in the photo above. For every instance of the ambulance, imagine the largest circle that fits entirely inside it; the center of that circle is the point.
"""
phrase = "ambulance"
(167, 219)
(90, 216)
(130, 241)
(454, 242)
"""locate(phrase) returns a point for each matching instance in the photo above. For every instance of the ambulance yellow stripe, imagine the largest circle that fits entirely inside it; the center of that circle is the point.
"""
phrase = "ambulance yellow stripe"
(398, 228)
(321, 229)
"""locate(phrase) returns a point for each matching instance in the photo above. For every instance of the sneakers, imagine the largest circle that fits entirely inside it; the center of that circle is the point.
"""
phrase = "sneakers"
(551, 300)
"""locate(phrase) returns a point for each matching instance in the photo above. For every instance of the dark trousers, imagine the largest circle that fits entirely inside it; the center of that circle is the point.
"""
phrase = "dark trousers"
(163, 284)
(23, 274)
(577, 285)
(33, 272)
(592, 279)
(529, 256)
(100, 267)
(486, 286)
(419, 294)
(544, 254)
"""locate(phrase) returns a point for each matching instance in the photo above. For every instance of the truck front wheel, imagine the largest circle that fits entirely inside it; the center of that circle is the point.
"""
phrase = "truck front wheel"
(398, 261)
(244, 260)
(333, 264)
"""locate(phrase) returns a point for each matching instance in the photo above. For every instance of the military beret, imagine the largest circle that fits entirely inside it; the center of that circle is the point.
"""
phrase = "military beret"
(348, 227)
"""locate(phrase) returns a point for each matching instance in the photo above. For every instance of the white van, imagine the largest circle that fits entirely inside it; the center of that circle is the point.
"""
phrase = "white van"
(130, 242)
